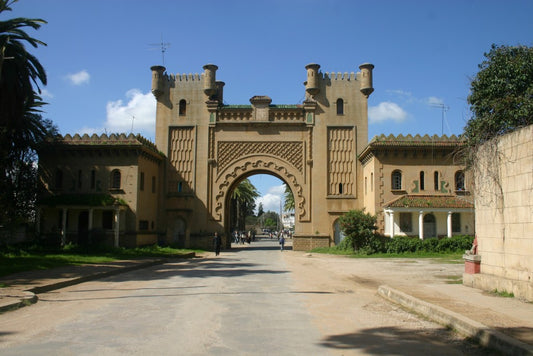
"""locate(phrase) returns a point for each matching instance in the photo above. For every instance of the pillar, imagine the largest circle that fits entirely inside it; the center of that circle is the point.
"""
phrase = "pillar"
(449, 224)
(421, 225)
(391, 224)
(64, 227)
(117, 226)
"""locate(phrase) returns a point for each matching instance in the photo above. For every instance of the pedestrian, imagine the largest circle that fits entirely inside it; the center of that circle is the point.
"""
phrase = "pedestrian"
(216, 243)
(282, 242)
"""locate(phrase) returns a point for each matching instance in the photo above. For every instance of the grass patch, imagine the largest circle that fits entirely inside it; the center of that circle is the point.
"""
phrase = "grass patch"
(502, 293)
(34, 258)
(440, 257)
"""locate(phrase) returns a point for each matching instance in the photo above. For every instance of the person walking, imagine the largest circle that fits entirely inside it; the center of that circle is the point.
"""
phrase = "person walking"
(216, 243)
(282, 242)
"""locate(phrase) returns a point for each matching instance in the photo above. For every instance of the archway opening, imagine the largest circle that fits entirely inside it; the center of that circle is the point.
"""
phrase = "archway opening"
(259, 205)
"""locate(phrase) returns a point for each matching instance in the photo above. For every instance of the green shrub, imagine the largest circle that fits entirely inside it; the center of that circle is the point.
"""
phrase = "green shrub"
(402, 244)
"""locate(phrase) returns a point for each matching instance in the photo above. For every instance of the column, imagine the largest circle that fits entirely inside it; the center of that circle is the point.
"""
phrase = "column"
(90, 226)
(449, 224)
(421, 225)
(392, 224)
(117, 226)
(64, 227)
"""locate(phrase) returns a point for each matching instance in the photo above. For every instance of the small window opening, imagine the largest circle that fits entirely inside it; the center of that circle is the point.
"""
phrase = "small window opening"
(422, 183)
(340, 107)
(182, 107)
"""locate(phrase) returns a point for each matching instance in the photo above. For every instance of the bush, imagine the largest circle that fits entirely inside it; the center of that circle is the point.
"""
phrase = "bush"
(358, 228)
(402, 244)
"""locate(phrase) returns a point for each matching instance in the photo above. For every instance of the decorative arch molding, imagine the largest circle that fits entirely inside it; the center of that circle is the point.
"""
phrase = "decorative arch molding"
(260, 164)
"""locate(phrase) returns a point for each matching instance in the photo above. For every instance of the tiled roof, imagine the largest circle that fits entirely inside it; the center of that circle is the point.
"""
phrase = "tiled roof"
(94, 140)
(416, 140)
(411, 142)
(430, 201)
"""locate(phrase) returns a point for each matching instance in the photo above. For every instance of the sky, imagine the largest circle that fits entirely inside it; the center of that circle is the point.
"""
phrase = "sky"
(99, 53)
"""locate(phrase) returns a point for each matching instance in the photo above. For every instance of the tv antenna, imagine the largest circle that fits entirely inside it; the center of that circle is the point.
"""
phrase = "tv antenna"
(444, 109)
(163, 46)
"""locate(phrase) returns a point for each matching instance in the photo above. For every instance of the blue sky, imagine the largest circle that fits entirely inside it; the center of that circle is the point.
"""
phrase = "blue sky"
(99, 55)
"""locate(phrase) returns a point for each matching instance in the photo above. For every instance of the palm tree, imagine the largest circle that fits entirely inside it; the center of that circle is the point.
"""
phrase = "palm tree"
(243, 201)
(289, 198)
(21, 125)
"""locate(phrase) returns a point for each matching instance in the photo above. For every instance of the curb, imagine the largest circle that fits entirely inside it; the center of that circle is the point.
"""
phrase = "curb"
(30, 295)
(463, 325)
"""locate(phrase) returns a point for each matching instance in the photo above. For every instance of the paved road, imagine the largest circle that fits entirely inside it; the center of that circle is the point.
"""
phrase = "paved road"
(243, 302)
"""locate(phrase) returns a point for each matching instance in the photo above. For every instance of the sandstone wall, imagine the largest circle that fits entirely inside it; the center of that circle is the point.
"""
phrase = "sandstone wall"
(504, 212)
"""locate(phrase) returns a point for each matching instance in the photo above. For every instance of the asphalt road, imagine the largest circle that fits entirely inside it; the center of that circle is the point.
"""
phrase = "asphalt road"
(243, 302)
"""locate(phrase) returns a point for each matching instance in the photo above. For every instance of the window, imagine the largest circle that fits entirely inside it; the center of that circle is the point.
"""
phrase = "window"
(436, 180)
(456, 222)
(365, 185)
(93, 179)
(107, 219)
(182, 107)
(340, 107)
(459, 180)
(422, 183)
(59, 179)
(141, 181)
(80, 175)
(143, 224)
(396, 180)
(340, 188)
(371, 182)
(153, 184)
(115, 179)
(180, 187)
(406, 222)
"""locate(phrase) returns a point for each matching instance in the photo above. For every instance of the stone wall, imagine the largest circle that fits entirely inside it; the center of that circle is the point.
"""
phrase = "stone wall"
(307, 243)
(504, 215)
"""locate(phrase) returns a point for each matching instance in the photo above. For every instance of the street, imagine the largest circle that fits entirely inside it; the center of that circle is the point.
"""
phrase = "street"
(252, 300)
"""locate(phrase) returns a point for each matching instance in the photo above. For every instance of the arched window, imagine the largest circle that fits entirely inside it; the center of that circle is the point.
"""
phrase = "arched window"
(459, 180)
(396, 180)
(340, 188)
(422, 183)
(182, 107)
(436, 180)
(115, 179)
(340, 106)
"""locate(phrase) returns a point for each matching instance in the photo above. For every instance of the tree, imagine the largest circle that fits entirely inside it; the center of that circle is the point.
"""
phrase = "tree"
(289, 198)
(243, 202)
(260, 210)
(501, 94)
(358, 228)
(22, 128)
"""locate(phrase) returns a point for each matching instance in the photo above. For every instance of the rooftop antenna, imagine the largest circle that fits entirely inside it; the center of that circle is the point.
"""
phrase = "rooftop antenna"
(444, 109)
(163, 46)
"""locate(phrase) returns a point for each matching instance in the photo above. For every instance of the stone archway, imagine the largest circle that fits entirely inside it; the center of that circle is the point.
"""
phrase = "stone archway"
(312, 146)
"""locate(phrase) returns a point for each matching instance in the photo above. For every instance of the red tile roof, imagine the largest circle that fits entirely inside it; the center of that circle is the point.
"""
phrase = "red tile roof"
(430, 201)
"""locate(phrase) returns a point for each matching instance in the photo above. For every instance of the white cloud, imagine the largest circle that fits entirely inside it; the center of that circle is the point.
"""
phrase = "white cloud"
(386, 111)
(45, 94)
(434, 101)
(136, 115)
(272, 199)
(82, 77)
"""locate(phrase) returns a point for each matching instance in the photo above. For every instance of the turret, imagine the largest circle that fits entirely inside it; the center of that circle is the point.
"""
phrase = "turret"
(210, 87)
(220, 91)
(366, 78)
(158, 86)
(312, 86)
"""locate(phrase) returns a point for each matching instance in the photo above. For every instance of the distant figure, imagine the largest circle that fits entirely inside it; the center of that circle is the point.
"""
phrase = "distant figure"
(282, 242)
(216, 243)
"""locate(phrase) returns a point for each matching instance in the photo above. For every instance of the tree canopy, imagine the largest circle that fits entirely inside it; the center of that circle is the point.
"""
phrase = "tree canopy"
(243, 202)
(501, 94)
(22, 128)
